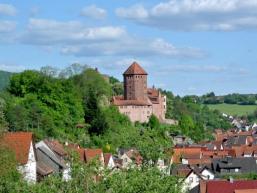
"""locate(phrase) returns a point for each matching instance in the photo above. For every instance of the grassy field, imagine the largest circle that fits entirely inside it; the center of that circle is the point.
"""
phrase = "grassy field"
(234, 109)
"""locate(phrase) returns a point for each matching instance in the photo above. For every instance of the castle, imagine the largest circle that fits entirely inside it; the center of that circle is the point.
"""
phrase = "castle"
(140, 102)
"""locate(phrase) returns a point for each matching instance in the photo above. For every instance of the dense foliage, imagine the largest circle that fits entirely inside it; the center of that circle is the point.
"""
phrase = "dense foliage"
(146, 179)
(4, 79)
(240, 99)
(195, 120)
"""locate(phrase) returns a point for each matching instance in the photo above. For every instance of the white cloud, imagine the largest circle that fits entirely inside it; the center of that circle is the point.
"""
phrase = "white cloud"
(76, 39)
(7, 9)
(134, 12)
(94, 12)
(198, 15)
(51, 32)
(133, 47)
(7, 26)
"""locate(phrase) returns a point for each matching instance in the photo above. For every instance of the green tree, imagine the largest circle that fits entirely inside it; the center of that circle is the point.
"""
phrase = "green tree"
(186, 124)
(146, 179)
(154, 122)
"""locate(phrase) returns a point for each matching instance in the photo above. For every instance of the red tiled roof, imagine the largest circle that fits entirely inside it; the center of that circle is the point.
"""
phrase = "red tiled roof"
(135, 68)
(199, 161)
(186, 152)
(229, 187)
(81, 153)
(119, 101)
(19, 143)
(93, 153)
(153, 92)
(153, 95)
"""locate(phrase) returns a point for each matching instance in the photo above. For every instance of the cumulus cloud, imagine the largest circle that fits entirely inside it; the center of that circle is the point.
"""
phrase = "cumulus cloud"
(134, 12)
(134, 47)
(94, 12)
(7, 26)
(77, 39)
(51, 32)
(7, 9)
(196, 15)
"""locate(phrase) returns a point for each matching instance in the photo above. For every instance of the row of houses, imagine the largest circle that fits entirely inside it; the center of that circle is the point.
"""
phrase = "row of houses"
(39, 160)
(233, 152)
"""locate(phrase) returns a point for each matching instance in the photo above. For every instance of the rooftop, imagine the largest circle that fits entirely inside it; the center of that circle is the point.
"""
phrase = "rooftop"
(135, 68)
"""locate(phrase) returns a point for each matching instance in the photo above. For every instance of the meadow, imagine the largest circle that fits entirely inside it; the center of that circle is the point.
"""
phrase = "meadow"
(232, 109)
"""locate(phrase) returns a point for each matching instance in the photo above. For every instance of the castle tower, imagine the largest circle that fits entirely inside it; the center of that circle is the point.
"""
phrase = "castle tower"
(135, 83)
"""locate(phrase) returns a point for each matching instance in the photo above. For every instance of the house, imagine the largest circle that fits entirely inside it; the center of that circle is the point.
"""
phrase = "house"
(181, 170)
(21, 143)
(231, 165)
(194, 177)
(109, 161)
(130, 157)
(163, 166)
(183, 154)
(52, 159)
(221, 186)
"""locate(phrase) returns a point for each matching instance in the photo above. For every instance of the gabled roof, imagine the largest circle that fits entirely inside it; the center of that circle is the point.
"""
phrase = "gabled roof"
(56, 146)
(216, 186)
(19, 143)
(135, 68)
(43, 169)
(187, 153)
(246, 164)
(93, 153)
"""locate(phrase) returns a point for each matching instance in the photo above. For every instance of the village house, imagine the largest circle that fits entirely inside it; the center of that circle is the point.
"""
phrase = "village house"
(194, 177)
(109, 161)
(21, 143)
(51, 159)
(138, 101)
(130, 158)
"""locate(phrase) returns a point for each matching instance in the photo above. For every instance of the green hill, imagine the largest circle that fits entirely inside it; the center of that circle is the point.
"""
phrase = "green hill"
(4, 79)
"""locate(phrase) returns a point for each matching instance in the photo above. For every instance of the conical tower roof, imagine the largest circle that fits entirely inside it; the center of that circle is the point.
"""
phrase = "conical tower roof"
(135, 68)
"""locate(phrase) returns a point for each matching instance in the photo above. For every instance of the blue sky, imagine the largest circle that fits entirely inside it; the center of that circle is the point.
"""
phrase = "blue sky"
(186, 46)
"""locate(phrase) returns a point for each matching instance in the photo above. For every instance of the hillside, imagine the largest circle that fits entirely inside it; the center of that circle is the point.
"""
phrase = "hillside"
(4, 79)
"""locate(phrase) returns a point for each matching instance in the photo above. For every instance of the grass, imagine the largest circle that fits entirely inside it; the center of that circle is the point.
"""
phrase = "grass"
(234, 109)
